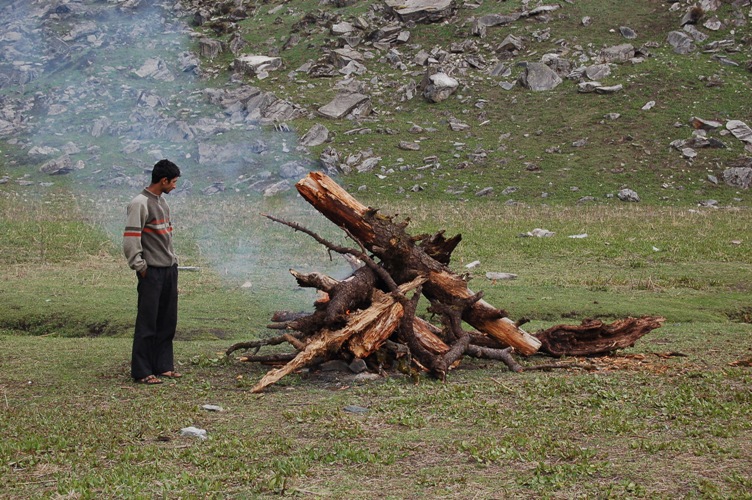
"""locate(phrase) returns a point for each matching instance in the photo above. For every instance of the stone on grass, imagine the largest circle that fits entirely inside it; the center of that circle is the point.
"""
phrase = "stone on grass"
(740, 130)
(193, 432)
(738, 177)
(628, 195)
(539, 77)
(495, 276)
(346, 104)
(439, 86)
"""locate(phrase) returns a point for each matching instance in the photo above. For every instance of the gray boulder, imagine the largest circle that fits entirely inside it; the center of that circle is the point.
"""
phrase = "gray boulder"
(439, 86)
(597, 71)
(209, 48)
(59, 166)
(740, 130)
(316, 135)
(681, 42)
(738, 177)
(422, 11)
(628, 195)
(617, 53)
(350, 104)
(539, 77)
(254, 65)
(155, 69)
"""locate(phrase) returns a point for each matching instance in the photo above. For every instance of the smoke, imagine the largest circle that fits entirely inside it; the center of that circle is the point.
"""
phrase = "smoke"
(95, 94)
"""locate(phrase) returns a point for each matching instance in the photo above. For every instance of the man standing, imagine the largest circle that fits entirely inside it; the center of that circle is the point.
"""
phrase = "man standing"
(147, 244)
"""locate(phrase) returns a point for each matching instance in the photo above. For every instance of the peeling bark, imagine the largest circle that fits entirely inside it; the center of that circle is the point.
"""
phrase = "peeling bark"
(593, 337)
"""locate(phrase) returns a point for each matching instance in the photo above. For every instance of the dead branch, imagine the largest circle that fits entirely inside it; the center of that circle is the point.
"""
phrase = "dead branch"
(503, 355)
(593, 337)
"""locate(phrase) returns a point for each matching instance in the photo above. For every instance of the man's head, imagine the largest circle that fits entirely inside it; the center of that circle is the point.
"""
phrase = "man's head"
(165, 175)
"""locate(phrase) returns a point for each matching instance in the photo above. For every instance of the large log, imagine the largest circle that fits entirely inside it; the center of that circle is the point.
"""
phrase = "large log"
(403, 258)
(593, 337)
(384, 310)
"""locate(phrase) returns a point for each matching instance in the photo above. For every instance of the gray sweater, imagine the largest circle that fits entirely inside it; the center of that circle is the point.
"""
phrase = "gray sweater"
(147, 240)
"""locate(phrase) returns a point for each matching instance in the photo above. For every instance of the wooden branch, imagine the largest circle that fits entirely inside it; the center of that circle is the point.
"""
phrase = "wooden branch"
(438, 247)
(402, 258)
(284, 316)
(554, 366)
(297, 344)
(326, 341)
(426, 336)
(349, 294)
(362, 255)
(593, 337)
(269, 358)
(319, 281)
(420, 354)
(503, 355)
(307, 325)
(257, 344)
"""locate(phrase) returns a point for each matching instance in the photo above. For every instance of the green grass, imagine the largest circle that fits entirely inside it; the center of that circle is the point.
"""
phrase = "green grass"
(640, 425)
(666, 428)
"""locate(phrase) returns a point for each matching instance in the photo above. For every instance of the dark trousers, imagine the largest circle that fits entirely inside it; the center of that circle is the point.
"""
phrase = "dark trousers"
(155, 322)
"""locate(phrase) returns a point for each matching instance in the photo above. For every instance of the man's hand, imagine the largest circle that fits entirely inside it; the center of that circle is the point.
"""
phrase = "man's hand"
(143, 273)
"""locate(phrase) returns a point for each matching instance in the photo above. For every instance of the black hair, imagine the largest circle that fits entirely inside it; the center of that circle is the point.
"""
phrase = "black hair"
(162, 169)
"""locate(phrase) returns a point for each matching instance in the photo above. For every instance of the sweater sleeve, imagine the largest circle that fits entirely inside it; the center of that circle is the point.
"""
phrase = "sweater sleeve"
(134, 224)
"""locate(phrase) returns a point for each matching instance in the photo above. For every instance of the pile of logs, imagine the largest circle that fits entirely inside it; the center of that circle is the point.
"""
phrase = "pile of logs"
(371, 315)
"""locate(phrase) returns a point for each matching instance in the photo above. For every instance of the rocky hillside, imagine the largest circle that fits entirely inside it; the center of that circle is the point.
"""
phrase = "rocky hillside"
(513, 101)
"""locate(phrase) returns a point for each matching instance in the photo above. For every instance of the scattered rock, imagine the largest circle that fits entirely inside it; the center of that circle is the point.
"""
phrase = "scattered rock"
(701, 124)
(439, 86)
(494, 276)
(538, 233)
(193, 432)
(422, 11)
(510, 44)
(627, 32)
(355, 409)
(738, 177)
(358, 365)
(409, 146)
(259, 66)
(539, 77)
(209, 48)
(681, 42)
(334, 365)
(628, 195)
(59, 166)
(155, 69)
(347, 105)
(277, 188)
(318, 134)
(598, 71)
(740, 130)
(617, 53)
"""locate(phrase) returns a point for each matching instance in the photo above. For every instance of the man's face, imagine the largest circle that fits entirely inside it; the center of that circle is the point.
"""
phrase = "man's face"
(168, 184)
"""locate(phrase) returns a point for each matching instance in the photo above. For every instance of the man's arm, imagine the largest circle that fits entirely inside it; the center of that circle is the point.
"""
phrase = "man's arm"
(134, 225)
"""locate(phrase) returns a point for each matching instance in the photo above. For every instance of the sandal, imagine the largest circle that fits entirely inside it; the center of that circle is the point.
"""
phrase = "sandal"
(148, 380)
(171, 374)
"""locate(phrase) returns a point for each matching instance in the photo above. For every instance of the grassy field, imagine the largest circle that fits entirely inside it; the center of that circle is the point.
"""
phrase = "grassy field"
(642, 424)
(670, 417)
